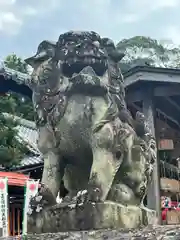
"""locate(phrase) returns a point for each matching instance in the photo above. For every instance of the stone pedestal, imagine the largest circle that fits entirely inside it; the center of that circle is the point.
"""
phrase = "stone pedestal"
(90, 216)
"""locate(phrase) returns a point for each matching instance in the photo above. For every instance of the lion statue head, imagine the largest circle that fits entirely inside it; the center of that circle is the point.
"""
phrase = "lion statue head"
(57, 64)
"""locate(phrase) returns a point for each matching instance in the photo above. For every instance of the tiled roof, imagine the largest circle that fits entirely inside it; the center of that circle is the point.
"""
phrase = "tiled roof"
(16, 76)
(27, 134)
(31, 160)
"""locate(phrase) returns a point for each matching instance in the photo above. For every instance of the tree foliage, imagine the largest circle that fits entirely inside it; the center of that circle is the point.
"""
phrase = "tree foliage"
(23, 104)
(11, 150)
(140, 50)
(16, 63)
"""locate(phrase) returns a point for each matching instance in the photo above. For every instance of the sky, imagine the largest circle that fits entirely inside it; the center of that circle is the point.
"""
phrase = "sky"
(25, 23)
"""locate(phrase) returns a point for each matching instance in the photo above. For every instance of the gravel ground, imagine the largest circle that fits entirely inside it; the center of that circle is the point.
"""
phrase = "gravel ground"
(147, 233)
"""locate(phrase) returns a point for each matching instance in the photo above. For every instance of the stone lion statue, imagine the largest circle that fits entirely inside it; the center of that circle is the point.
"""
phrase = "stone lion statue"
(87, 136)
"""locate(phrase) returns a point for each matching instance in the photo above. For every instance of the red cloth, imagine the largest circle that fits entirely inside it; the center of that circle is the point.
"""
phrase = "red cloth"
(164, 214)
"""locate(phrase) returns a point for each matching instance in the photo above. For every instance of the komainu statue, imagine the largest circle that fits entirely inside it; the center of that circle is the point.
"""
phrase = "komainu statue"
(88, 138)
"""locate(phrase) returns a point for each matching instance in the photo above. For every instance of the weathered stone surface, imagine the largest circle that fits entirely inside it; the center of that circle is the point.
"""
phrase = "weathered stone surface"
(147, 233)
(87, 136)
(107, 215)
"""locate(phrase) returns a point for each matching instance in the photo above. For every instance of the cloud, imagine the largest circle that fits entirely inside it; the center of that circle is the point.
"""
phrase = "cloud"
(173, 33)
(101, 13)
(6, 3)
(130, 18)
(135, 10)
(35, 20)
(13, 14)
(29, 11)
(9, 22)
(166, 3)
(148, 6)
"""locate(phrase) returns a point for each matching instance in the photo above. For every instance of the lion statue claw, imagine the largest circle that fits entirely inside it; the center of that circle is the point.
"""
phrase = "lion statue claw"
(87, 136)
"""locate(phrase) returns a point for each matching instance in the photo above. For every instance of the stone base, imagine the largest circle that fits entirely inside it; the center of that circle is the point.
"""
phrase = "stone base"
(90, 216)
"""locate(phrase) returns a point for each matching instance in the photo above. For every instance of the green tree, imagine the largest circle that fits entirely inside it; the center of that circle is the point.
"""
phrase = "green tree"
(16, 63)
(24, 107)
(140, 50)
(11, 150)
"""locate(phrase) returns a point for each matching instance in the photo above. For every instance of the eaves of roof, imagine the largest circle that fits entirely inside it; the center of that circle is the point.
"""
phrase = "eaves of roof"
(136, 69)
(18, 77)
(22, 78)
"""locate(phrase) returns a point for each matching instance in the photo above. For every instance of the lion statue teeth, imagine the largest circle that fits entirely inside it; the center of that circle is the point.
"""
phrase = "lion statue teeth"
(86, 134)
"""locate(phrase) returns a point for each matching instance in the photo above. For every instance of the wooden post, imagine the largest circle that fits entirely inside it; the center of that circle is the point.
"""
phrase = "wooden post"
(13, 219)
(18, 221)
(153, 196)
(9, 222)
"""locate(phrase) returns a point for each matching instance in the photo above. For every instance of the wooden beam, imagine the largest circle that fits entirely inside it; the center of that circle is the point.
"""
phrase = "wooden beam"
(165, 91)
(13, 220)
(134, 96)
(18, 219)
(29, 169)
(153, 194)
(160, 112)
(9, 223)
(168, 117)
(173, 103)
(170, 166)
(136, 107)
